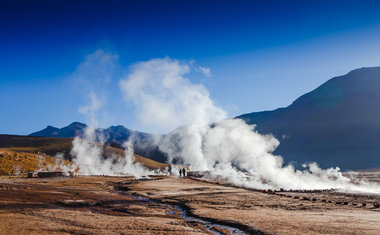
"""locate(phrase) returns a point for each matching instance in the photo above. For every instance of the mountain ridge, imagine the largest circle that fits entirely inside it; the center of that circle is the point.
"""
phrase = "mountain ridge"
(335, 124)
(115, 136)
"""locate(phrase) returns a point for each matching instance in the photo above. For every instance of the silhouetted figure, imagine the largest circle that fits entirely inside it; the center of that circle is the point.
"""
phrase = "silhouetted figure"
(180, 173)
(184, 172)
(170, 169)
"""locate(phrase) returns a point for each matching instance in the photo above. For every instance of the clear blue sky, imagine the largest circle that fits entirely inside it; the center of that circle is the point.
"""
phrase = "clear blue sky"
(262, 54)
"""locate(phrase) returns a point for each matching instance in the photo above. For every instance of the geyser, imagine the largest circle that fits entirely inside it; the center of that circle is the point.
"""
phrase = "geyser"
(228, 148)
(88, 150)
(200, 137)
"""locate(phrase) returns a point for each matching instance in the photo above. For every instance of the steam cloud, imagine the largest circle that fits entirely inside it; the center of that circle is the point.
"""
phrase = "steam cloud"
(91, 158)
(89, 150)
(165, 98)
(203, 139)
(230, 148)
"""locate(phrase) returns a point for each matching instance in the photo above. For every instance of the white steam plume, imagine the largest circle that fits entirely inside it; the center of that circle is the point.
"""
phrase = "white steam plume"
(165, 98)
(88, 150)
(91, 160)
(205, 71)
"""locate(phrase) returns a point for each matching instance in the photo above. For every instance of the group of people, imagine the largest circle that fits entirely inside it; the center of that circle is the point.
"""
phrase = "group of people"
(182, 172)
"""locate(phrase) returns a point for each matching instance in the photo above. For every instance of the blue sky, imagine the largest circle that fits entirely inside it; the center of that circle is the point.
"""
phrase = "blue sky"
(262, 54)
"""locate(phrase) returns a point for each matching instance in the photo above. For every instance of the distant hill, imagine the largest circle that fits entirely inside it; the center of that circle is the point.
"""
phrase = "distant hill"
(53, 145)
(33, 144)
(13, 163)
(70, 131)
(337, 124)
(113, 135)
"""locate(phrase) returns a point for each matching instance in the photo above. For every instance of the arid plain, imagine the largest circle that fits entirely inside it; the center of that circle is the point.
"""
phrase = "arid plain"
(172, 205)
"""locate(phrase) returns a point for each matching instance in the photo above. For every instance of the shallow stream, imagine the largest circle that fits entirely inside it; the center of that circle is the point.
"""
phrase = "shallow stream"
(183, 213)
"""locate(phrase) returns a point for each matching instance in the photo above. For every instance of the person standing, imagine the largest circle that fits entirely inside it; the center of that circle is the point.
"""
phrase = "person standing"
(180, 172)
(184, 172)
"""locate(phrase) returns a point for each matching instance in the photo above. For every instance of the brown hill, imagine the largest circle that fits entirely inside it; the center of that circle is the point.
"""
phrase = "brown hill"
(13, 163)
(30, 144)
(51, 146)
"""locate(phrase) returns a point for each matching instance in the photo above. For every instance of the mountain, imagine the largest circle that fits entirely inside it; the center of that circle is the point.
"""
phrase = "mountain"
(337, 124)
(115, 136)
(70, 131)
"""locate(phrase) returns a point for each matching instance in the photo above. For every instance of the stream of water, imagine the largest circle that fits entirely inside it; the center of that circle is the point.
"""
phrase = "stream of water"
(208, 225)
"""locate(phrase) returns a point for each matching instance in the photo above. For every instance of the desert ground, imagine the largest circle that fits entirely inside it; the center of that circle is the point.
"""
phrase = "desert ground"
(173, 205)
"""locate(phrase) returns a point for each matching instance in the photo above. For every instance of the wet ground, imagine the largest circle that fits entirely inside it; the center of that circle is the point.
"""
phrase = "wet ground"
(169, 205)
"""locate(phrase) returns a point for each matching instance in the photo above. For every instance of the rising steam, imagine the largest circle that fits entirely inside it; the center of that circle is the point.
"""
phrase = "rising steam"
(230, 148)
(165, 99)
(89, 150)
(92, 159)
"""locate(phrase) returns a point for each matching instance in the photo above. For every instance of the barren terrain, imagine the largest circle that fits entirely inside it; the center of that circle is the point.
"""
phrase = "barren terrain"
(170, 205)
